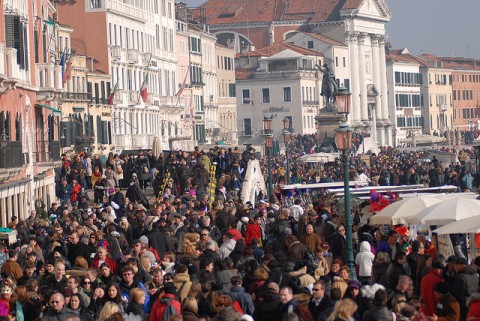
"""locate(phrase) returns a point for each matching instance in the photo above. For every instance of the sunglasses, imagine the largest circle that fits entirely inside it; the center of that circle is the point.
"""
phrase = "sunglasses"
(87, 282)
(204, 234)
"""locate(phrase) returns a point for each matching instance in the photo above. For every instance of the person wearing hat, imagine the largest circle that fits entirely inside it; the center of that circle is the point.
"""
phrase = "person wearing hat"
(354, 292)
(427, 284)
(447, 307)
(466, 283)
(166, 303)
(301, 274)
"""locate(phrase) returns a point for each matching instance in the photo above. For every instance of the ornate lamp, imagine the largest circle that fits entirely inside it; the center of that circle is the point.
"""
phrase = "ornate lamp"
(342, 101)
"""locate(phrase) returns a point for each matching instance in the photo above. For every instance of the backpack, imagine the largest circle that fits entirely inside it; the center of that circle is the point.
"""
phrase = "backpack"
(312, 261)
(169, 311)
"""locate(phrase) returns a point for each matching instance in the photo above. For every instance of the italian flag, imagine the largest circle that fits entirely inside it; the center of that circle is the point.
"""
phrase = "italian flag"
(112, 94)
(144, 89)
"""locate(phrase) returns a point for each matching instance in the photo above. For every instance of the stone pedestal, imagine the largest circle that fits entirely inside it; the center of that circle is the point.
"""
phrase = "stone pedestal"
(328, 124)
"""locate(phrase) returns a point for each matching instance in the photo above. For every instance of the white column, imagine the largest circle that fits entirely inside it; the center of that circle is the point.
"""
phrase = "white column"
(4, 219)
(384, 89)
(376, 74)
(354, 80)
(363, 77)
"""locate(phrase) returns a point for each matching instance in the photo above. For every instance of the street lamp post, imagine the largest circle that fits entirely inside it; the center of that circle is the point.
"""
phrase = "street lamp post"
(344, 143)
(268, 135)
(287, 132)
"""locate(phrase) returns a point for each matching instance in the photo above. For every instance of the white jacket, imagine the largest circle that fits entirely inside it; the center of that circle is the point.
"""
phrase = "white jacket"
(364, 259)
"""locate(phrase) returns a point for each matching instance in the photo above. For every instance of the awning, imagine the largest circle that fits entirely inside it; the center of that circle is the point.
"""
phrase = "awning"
(56, 112)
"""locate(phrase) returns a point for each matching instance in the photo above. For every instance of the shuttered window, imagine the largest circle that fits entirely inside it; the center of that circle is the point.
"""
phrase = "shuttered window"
(16, 35)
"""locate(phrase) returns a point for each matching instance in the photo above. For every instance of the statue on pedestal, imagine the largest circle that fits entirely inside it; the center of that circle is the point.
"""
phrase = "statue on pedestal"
(329, 87)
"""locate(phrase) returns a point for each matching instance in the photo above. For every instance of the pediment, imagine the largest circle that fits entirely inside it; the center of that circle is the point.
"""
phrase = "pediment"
(374, 9)
(372, 91)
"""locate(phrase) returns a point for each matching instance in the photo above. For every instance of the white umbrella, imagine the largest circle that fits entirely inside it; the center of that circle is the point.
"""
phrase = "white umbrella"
(450, 210)
(402, 211)
(467, 225)
(318, 157)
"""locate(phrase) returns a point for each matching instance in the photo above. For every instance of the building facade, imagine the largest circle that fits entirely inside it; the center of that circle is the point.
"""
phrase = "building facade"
(360, 24)
(30, 85)
(134, 43)
(405, 99)
(466, 102)
(278, 81)
(227, 105)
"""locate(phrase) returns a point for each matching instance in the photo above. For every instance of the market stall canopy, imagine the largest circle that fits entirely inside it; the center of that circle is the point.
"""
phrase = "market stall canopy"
(448, 211)
(319, 157)
(402, 211)
(467, 225)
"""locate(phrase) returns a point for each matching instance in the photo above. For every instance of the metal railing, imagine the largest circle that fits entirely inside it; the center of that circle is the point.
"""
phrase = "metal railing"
(12, 156)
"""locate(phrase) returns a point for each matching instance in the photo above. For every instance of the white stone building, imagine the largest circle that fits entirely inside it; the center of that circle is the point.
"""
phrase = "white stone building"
(278, 81)
(405, 101)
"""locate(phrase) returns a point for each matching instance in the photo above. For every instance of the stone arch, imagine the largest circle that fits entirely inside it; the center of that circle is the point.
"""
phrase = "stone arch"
(234, 39)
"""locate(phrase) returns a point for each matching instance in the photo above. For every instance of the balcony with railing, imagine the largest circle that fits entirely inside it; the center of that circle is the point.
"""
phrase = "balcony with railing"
(125, 9)
(310, 102)
(71, 96)
(12, 156)
(116, 53)
(132, 56)
(443, 106)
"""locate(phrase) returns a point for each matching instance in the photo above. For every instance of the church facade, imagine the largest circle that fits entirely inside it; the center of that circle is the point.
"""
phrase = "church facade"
(358, 24)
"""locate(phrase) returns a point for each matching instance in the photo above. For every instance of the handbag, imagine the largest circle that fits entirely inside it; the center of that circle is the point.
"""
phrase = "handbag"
(119, 170)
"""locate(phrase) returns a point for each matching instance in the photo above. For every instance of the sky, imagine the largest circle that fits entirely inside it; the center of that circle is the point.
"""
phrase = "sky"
(439, 27)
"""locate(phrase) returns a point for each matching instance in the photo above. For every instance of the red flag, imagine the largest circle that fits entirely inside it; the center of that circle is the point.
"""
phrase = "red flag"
(68, 72)
(144, 89)
(180, 91)
(112, 94)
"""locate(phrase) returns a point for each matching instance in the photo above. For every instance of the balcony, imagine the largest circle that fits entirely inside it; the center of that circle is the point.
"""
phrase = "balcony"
(129, 11)
(12, 69)
(116, 53)
(67, 96)
(132, 56)
(443, 107)
(247, 133)
(12, 156)
(310, 102)
(172, 103)
(146, 58)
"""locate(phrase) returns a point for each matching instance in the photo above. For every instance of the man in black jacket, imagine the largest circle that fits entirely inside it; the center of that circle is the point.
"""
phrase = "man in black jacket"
(158, 240)
(270, 308)
(320, 301)
(76, 248)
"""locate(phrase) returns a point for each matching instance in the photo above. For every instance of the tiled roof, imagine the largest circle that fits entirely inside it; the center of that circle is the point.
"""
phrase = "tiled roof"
(279, 47)
(325, 39)
(243, 11)
(352, 4)
(399, 55)
(244, 73)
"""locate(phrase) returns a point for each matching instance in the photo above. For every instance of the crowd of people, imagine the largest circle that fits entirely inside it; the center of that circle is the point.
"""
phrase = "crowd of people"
(194, 251)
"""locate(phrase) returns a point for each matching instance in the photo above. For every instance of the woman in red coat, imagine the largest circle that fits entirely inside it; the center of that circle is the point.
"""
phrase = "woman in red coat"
(253, 231)
(76, 189)
(102, 257)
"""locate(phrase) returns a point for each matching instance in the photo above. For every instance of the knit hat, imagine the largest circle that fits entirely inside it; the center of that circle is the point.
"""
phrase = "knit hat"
(143, 239)
(354, 284)
(169, 288)
(442, 288)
